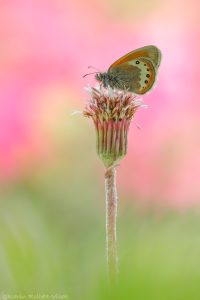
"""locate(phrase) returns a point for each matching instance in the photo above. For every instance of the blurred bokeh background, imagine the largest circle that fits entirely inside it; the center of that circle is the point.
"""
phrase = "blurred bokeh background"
(51, 181)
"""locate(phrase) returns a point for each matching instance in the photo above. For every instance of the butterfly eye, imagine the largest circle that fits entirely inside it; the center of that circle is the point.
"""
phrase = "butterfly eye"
(137, 62)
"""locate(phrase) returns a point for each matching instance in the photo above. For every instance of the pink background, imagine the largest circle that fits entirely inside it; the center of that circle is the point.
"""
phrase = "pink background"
(45, 48)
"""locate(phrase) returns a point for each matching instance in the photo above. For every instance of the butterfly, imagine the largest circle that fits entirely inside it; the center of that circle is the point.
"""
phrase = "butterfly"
(136, 71)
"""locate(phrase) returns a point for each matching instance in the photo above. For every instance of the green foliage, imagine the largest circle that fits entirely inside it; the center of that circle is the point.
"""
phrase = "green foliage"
(52, 241)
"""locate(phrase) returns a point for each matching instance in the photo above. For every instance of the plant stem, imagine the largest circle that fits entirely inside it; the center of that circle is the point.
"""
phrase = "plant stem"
(111, 216)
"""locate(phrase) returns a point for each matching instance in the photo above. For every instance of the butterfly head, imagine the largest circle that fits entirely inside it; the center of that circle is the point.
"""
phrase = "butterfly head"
(106, 78)
(102, 77)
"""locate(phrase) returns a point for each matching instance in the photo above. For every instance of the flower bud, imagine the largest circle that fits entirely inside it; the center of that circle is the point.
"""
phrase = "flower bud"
(112, 112)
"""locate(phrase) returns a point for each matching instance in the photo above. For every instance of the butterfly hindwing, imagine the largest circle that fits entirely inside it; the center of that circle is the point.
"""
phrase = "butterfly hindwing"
(137, 75)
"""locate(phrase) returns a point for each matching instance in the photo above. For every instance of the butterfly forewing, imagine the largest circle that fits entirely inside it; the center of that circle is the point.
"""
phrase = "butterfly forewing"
(151, 52)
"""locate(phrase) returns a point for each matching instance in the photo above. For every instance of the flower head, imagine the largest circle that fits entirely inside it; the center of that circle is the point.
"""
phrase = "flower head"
(111, 111)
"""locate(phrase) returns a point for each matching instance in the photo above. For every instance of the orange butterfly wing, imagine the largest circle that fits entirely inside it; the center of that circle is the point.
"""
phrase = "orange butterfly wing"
(147, 60)
(151, 52)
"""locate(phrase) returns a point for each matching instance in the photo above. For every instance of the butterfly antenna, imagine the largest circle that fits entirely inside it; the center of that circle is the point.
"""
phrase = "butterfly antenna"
(91, 67)
(90, 74)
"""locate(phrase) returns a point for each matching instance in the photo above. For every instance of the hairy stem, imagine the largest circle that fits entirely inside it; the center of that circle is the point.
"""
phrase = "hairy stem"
(111, 216)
